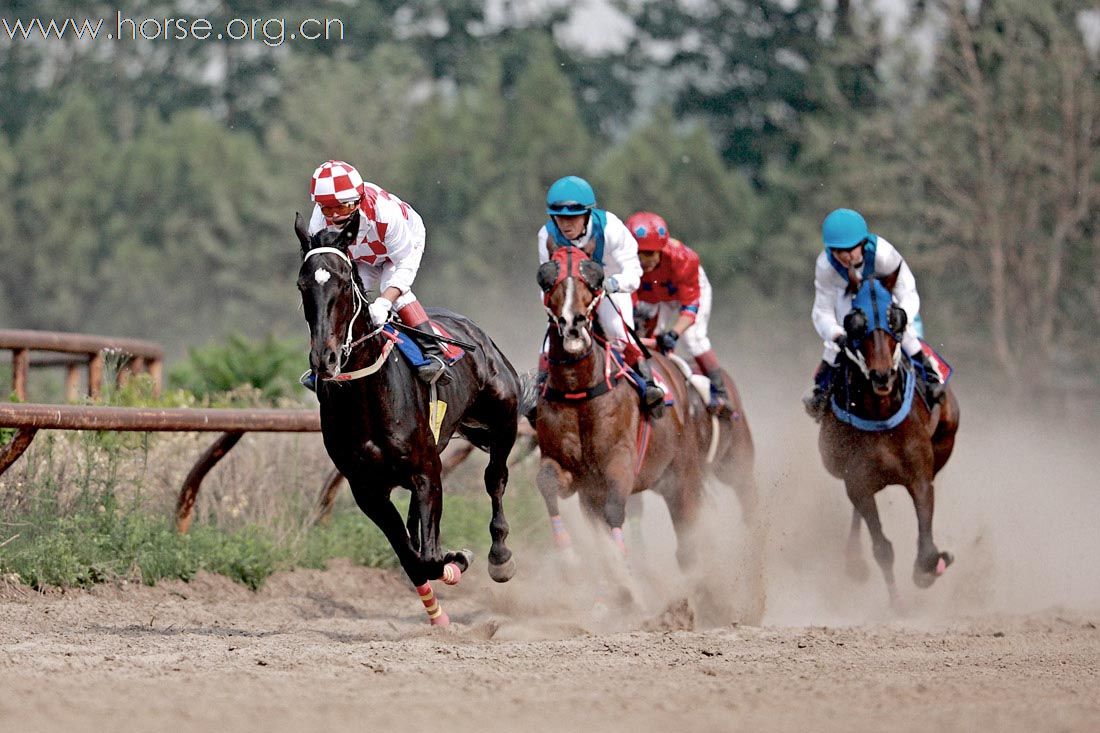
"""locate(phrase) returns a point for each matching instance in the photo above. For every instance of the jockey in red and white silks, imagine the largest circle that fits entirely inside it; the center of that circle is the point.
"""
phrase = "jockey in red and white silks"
(674, 280)
(387, 250)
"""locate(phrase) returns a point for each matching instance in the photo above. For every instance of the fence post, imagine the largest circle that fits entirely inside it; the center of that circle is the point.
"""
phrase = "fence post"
(20, 360)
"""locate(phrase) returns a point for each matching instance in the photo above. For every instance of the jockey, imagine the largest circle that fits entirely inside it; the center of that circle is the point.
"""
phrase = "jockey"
(387, 250)
(576, 222)
(674, 280)
(852, 253)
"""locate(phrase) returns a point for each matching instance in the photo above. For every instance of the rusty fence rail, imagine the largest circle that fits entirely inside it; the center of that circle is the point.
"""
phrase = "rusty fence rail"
(74, 351)
(29, 418)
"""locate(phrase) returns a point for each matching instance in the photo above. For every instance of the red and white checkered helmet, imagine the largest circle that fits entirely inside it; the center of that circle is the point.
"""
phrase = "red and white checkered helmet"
(335, 182)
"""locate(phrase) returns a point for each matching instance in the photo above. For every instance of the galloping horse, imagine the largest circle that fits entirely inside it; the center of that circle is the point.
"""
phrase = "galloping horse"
(379, 422)
(595, 439)
(880, 432)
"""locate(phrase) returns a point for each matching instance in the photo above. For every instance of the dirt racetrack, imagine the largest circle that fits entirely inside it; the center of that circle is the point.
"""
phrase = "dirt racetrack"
(1007, 640)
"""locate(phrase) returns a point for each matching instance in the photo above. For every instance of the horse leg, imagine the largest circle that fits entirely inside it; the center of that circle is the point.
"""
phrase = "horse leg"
(862, 496)
(930, 562)
(502, 566)
(427, 493)
(550, 479)
(856, 565)
(385, 516)
(412, 524)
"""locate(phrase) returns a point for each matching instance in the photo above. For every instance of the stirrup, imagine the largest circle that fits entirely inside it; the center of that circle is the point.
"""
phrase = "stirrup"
(434, 371)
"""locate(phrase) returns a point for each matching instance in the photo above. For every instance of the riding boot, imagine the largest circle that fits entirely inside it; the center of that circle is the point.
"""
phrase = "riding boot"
(719, 397)
(654, 395)
(817, 402)
(433, 352)
(414, 316)
(934, 389)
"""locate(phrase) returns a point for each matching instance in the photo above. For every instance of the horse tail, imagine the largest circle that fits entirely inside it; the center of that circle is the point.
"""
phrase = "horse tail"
(528, 393)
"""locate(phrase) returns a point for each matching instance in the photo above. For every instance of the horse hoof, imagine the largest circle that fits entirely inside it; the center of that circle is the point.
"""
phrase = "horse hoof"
(503, 572)
(441, 620)
(462, 558)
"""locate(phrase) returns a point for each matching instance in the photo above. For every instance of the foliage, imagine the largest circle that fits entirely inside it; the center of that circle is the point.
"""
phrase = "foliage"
(216, 371)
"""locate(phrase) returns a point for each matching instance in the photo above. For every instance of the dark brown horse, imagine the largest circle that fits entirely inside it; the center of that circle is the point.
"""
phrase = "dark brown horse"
(376, 414)
(594, 438)
(879, 431)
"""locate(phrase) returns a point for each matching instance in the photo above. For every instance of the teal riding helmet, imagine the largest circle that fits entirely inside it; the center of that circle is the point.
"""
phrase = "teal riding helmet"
(570, 196)
(844, 229)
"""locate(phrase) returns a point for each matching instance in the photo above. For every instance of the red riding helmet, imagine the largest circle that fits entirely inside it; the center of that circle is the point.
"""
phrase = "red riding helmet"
(334, 183)
(649, 229)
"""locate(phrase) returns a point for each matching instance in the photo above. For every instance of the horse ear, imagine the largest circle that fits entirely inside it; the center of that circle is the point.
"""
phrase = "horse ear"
(592, 274)
(855, 324)
(548, 275)
(891, 280)
(897, 318)
(348, 233)
(302, 232)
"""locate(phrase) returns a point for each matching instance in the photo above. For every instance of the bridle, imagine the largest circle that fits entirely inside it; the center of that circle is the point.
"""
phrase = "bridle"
(360, 299)
(567, 274)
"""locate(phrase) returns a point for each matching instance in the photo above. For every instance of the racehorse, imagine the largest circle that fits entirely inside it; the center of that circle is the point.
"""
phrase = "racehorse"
(594, 437)
(879, 431)
(384, 428)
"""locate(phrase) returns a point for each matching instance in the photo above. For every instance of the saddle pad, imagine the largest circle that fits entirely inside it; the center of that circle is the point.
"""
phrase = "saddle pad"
(942, 366)
(639, 383)
(412, 352)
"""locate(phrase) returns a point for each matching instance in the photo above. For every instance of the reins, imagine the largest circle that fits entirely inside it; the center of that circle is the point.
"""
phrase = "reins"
(349, 342)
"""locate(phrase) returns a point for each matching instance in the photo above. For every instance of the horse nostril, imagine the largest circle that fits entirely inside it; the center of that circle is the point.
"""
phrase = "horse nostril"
(578, 319)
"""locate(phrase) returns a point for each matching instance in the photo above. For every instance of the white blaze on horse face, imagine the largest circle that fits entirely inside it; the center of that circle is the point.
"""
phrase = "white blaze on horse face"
(572, 344)
(897, 356)
(322, 276)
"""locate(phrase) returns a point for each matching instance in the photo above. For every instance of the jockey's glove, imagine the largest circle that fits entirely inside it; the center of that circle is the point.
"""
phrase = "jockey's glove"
(611, 285)
(380, 311)
(666, 342)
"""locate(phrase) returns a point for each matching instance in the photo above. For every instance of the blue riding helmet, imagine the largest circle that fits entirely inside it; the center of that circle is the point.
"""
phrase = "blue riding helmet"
(844, 229)
(570, 196)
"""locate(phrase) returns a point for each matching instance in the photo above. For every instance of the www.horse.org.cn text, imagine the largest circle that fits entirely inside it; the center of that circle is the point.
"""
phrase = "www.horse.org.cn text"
(269, 31)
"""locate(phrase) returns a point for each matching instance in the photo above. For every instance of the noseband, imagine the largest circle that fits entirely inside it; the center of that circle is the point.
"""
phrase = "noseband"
(360, 299)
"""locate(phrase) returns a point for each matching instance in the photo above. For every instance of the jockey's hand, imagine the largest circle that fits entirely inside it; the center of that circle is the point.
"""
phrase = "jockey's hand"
(841, 341)
(611, 285)
(380, 311)
(666, 342)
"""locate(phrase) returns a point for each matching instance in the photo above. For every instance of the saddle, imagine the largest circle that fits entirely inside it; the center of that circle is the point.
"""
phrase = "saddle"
(412, 352)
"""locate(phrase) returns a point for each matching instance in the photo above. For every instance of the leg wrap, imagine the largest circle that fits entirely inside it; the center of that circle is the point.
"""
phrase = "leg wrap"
(435, 612)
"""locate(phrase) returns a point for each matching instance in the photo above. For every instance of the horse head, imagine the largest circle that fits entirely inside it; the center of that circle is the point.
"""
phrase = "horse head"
(332, 295)
(873, 331)
(572, 285)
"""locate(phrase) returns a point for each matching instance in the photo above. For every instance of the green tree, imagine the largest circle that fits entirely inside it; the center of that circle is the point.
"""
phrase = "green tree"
(1007, 154)
(62, 193)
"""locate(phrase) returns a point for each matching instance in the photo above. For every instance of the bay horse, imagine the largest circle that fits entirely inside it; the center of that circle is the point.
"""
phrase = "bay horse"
(376, 414)
(594, 437)
(879, 431)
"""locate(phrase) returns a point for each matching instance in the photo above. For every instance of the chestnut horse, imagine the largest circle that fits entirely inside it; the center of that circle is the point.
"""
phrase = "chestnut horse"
(879, 431)
(376, 414)
(594, 437)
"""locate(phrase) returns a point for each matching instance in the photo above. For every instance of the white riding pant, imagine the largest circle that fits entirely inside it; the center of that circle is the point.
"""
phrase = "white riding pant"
(695, 337)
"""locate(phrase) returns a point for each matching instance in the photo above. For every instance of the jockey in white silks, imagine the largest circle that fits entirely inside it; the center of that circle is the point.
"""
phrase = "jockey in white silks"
(852, 251)
(576, 222)
(387, 250)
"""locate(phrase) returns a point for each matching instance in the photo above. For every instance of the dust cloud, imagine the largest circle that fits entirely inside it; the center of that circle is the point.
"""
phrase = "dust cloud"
(1017, 504)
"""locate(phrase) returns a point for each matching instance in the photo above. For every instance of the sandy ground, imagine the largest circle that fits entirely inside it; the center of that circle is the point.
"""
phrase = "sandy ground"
(1006, 640)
